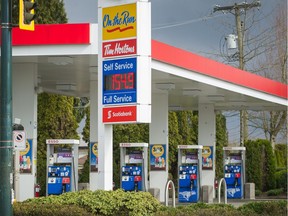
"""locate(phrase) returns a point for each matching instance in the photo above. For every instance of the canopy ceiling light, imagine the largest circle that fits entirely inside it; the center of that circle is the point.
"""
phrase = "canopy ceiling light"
(60, 60)
(66, 86)
(191, 92)
(165, 86)
(175, 108)
(216, 97)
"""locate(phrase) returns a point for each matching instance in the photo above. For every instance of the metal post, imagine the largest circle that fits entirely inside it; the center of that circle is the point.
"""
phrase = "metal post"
(170, 182)
(225, 191)
(6, 111)
(243, 113)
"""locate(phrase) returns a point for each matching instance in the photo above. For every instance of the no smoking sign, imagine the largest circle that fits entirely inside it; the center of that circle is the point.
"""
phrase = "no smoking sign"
(19, 140)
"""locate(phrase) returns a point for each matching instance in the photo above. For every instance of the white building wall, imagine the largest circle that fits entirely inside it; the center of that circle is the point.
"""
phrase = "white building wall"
(25, 108)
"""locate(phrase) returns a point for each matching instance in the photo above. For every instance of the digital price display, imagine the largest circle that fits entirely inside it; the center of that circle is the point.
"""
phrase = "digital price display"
(119, 81)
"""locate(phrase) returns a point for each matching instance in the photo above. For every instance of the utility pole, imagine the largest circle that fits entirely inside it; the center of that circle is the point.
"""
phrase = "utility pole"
(6, 146)
(239, 28)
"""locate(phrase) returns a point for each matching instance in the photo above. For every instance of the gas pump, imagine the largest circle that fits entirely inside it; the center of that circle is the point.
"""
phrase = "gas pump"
(134, 168)
(189, 172)
(234, 171)
(62, 166)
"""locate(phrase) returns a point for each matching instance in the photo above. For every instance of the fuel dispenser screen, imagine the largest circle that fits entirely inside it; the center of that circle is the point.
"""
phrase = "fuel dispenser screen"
(132, 178)
(59, 179)
(188, 183)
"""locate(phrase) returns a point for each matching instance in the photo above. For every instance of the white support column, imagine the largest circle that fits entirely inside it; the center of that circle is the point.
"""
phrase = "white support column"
(105, 155)
(25, 108)
(105, 132)
(93, 177)
(207, 137)
(158, 131)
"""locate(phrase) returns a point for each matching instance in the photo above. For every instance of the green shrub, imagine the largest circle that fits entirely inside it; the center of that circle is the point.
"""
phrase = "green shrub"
(102, 202)
(280, 169)
(281, 155)
(275, 208)
(278, 208)
(33, 209)
(260, 164)
(258, 192)
(275, 192)
(281, 179)
(198, 209)
(88, 203)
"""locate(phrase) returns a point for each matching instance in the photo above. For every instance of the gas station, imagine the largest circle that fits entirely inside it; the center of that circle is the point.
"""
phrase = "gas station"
(71, 59)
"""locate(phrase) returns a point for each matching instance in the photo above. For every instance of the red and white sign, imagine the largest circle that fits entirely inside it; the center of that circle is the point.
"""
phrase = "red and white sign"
(119, 48)
(119, 114)
(19, 140)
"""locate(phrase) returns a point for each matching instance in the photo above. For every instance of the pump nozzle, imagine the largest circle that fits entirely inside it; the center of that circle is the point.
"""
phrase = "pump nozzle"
(237, 176)
(136, 180)
(63, 188)
(193, 177)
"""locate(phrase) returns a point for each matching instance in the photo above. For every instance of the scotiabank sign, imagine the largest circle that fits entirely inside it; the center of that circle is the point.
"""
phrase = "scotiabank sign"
(119, 114)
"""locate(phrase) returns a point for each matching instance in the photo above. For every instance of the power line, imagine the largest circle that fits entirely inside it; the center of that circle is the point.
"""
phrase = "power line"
(176, 24)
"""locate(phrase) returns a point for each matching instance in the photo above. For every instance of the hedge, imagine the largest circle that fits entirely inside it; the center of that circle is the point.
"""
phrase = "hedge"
(281, 179)
(102, 203)
(41, 209)
(260, 164)
(281, 155)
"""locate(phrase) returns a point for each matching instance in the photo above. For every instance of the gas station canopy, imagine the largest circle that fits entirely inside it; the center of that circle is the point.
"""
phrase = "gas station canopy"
(66, 59)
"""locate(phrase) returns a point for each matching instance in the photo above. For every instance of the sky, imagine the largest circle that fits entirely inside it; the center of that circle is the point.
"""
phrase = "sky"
(188, 24)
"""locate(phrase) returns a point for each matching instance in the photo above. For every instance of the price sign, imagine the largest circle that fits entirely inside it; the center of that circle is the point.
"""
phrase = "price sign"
(119, 81)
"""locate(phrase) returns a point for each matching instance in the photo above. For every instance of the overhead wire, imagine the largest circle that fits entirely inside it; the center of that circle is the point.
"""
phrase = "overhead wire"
(176, 24)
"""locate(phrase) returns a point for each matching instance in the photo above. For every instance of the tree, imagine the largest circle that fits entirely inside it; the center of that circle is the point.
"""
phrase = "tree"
(187, 127)
(55, 121)
(47, 12)
(262, 49)
(85, 172)
(274, 66)
(175, 139)
(86, 129)
(221, 141)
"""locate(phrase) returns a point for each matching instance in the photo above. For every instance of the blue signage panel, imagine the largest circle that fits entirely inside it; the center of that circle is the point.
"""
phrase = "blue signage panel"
(119, 81)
